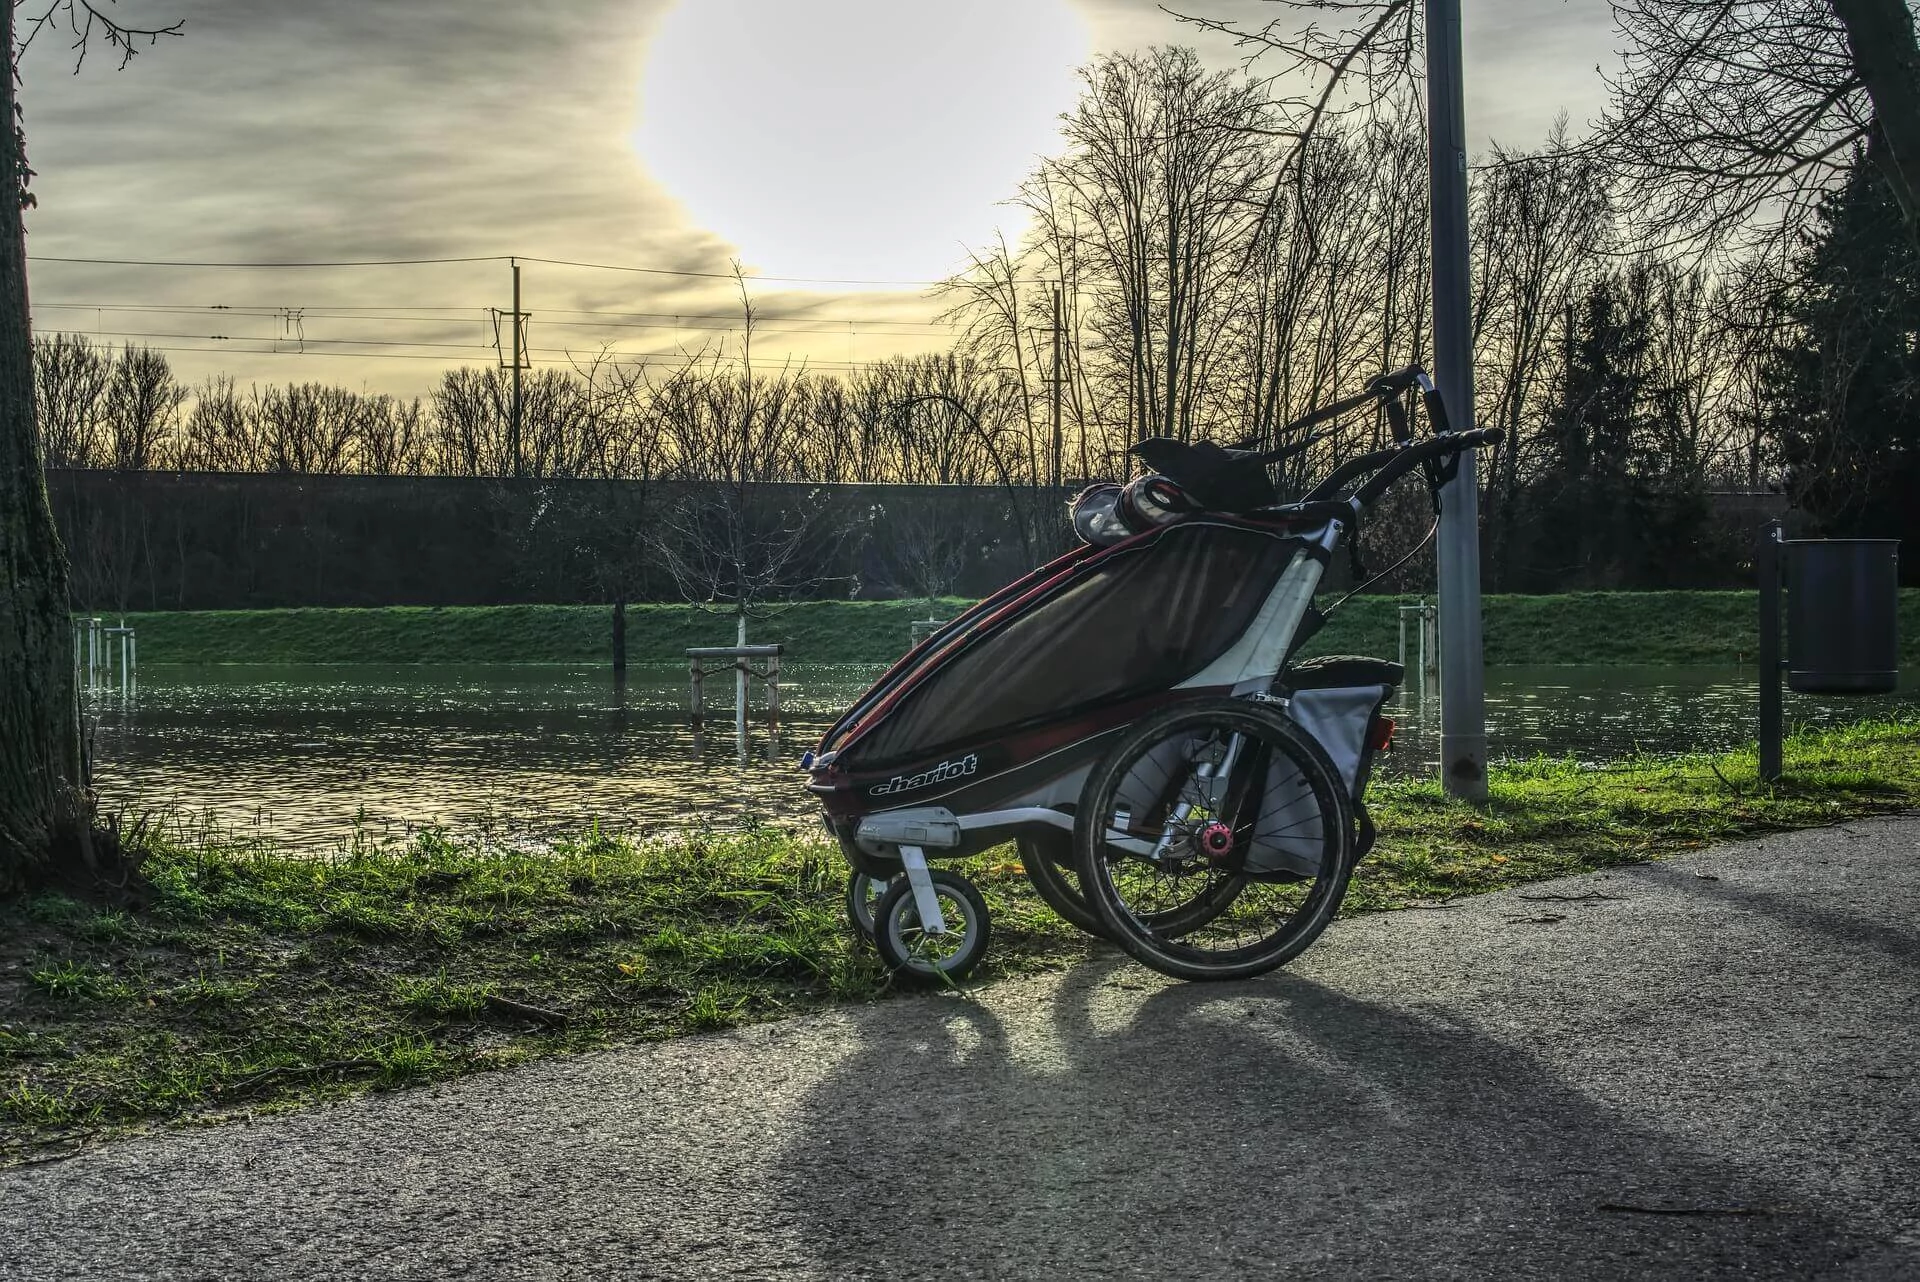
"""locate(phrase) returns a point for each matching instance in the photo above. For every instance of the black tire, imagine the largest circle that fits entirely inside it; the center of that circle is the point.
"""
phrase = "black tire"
(1288, 844)
(863, 897)
(932, 961)
(1049, 864)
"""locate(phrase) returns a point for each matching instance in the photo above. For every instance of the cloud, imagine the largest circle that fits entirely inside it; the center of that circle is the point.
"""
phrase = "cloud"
(296, 130)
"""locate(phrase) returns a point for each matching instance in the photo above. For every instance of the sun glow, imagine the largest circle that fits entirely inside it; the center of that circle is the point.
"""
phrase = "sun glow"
(855, 139)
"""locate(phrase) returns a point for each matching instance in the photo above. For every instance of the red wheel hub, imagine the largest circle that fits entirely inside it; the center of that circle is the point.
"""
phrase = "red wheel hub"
(1216, 840)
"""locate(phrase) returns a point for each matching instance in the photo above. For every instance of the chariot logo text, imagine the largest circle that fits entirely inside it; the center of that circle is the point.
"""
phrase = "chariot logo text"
(939, 774)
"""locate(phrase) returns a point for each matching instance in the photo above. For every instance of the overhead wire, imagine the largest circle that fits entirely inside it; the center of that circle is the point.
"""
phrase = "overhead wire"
(613, 358)
(489, 258)
(313, 309)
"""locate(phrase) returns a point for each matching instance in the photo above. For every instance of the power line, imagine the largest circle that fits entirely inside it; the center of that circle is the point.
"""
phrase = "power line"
(835, 329)
(792, 280)
(570, 355)
(268, 338)
(660, 320)
(485, 258)
(363, 262)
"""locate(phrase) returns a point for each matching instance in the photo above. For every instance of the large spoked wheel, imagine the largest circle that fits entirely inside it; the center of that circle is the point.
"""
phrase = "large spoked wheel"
(1051, 867)
(1049, 864)
(927, 957)
(1225, 843)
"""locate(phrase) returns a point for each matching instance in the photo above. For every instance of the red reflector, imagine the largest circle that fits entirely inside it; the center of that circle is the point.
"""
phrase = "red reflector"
(1382, 737)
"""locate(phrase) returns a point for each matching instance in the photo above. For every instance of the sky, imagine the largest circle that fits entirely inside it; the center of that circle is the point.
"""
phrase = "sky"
(844, 152)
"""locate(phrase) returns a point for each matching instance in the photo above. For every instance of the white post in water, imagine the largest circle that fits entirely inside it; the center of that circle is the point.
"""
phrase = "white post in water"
(1463, 713)
(740, 693)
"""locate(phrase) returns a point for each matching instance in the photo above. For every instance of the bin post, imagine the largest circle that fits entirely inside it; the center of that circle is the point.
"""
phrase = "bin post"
(1767, 562)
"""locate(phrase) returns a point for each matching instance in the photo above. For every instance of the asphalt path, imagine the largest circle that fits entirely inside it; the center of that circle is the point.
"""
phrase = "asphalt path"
(1703, 1068)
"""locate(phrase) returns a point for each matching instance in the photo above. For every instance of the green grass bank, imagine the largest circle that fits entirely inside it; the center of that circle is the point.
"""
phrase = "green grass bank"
(257, 981)
(1579, 628)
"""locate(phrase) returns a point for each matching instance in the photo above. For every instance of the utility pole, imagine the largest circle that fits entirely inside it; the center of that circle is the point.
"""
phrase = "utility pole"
(1463, 712)
(1059, 343)
(519, 354)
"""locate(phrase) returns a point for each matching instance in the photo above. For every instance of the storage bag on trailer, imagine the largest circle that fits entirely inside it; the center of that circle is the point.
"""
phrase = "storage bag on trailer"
(1336, 700)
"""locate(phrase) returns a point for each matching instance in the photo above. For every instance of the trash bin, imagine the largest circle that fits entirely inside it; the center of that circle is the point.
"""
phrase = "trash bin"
(1843, 599)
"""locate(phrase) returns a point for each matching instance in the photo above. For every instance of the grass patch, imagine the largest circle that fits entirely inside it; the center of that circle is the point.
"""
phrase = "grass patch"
(258, 980)
(818, 631)
(437, 997)
(1580, 627)
(1553, 817)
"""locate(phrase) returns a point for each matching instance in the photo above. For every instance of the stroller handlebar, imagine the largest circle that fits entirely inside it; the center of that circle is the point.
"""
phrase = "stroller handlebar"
(1412, 456)
(1387, 466)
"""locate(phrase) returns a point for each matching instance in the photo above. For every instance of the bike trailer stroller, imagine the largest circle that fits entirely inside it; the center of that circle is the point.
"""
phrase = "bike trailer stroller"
(1143, 679)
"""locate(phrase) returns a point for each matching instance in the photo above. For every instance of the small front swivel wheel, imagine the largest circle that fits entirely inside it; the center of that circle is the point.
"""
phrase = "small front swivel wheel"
(932, 958)
(863, 897)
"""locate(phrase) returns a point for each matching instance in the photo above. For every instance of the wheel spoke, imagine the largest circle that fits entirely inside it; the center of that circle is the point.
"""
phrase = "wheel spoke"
(1193, 912)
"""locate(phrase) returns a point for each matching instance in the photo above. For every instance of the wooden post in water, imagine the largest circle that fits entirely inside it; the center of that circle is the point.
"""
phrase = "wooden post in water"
(740, 671)
(697, 702)
(740, 659)
(773, 707)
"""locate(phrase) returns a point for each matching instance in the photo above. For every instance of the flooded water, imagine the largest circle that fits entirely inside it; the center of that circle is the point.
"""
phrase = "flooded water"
(314, 756)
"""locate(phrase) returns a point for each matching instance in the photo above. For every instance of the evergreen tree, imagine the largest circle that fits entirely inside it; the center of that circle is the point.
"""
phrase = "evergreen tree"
(1594, 430)
(1843, 391)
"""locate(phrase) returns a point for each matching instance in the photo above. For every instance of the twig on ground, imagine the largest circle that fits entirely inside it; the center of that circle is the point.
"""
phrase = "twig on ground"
(1732, 787)
(539, 1015)
(1572, 899)
(49, 1159)
(1629, 1208)
(298, 1070)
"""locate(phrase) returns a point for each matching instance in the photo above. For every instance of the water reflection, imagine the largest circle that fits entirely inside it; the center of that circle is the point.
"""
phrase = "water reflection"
(314, 754)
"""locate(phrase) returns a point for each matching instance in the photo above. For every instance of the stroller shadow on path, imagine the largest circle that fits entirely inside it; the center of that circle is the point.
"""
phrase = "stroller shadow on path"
(1263, 1129)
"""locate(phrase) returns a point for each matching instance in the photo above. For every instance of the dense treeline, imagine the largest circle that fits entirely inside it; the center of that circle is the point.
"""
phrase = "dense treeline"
(123, 408)
(1203, 294)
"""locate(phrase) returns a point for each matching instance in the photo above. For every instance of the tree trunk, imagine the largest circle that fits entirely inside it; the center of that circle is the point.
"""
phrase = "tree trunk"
(44, 816)
(1887, 60)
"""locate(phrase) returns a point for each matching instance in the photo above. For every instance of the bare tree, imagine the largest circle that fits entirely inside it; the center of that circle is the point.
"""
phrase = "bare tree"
(735, 544)
(70, 383)
(1732, 116)
(307, 428)
(141, 407)
(997, 310)
(1729, 116)
(1540, 220)
(392, 436)
(221, 432)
